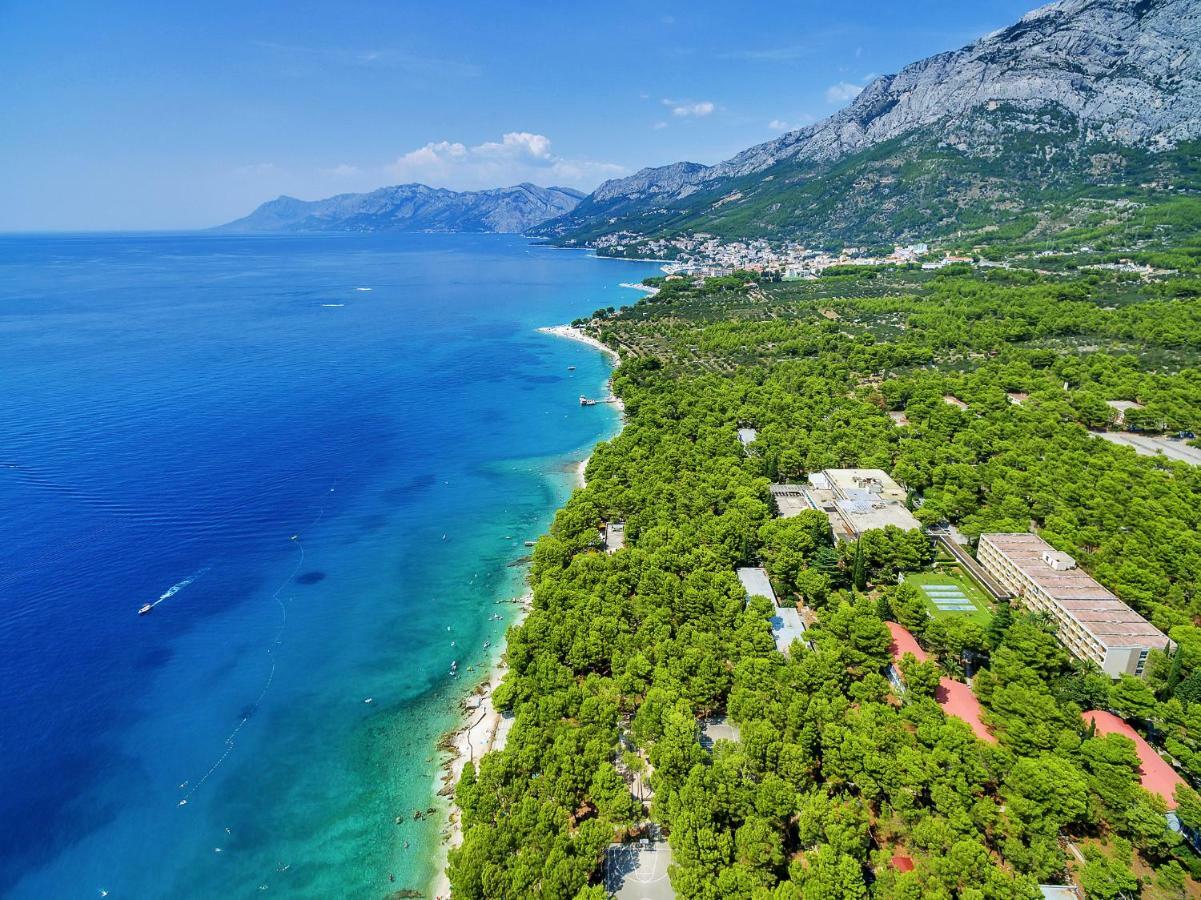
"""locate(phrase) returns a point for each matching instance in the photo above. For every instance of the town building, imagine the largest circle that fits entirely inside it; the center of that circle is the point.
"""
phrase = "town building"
(858, 500)
(1091, 621)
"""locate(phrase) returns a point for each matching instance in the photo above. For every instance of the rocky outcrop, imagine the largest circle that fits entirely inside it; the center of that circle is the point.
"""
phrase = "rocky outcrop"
(1125, 71)
(414, 207)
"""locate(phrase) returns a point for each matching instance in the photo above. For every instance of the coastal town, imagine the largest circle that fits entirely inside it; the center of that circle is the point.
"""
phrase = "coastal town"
(705, 255)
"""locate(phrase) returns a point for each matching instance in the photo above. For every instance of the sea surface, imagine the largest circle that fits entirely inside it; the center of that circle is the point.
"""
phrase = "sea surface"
(320, 457)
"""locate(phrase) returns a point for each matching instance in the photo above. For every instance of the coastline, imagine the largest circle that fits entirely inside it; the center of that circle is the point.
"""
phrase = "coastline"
(571, 333)
(483, 727)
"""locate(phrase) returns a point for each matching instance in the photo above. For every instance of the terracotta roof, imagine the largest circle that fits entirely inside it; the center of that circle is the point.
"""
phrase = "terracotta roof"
(1156, 776)
(955, 697)
(902, 863)
(903, 642)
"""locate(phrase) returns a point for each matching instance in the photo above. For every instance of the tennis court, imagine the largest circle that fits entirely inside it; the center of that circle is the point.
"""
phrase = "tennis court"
(949, 593)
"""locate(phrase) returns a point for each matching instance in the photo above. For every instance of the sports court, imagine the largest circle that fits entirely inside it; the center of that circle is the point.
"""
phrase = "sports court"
(638, 871)
(951, 594)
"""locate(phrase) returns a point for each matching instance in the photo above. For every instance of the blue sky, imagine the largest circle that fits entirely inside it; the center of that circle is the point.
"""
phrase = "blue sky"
(119, 115)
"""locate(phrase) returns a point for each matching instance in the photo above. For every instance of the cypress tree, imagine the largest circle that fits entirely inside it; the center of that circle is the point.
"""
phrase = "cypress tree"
(859, 568)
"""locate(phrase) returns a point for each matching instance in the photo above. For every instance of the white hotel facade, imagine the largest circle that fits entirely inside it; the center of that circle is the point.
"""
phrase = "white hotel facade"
(1092, 622)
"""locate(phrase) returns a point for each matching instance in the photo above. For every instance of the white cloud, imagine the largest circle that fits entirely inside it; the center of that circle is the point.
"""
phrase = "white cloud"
(685, 109)
(518, 156)
(842, 92)
(342, 170)
(659, 126)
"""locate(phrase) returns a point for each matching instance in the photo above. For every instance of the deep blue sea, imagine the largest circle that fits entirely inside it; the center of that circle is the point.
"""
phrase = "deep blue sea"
(323, 454)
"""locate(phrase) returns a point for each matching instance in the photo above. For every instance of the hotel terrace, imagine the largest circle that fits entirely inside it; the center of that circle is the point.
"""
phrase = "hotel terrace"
(1092, 622)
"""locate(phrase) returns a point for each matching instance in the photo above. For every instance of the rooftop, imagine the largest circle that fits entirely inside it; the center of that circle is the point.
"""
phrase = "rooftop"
(1059, 892)
(1156, 776)
(790, 500)
(1088, 601)
(615, 536)
(859, 500)
(955, 697)
(786, 627)
(756, 583)
(875, 481)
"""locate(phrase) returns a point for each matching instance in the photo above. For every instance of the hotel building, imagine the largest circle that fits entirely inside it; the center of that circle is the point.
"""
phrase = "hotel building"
(1092, 622)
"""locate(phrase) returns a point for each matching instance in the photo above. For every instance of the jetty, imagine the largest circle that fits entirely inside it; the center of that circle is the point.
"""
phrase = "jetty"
(588, 401)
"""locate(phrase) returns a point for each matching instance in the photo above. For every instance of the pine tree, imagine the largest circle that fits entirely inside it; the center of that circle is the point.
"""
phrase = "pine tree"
(1000, 623)
(1174, 673)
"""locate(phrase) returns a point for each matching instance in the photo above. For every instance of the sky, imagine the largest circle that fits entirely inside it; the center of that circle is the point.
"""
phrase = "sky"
(173, 115)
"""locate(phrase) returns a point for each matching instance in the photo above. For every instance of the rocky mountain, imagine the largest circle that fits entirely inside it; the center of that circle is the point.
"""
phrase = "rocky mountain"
(414, 207)
(1070, 82)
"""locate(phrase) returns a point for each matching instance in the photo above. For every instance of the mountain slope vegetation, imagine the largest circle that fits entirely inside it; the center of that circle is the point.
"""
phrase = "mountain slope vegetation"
(1026, 132)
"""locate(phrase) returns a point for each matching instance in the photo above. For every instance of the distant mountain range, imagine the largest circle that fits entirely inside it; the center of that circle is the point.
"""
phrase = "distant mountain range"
(1050, 124)
(414, 207)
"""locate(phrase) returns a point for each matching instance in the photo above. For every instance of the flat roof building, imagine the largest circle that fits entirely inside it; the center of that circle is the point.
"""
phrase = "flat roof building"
(1092, 622)
(859, 500)
(755, 582)
(790, 500)
(615, 536)
(786, 627)
(786, 622)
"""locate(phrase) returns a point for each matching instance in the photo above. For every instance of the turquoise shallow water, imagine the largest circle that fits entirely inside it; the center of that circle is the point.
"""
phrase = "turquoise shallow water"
(329, 485)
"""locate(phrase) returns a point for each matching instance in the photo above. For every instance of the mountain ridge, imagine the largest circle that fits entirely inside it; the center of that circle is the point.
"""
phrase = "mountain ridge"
(1124, 74)
(413, 207)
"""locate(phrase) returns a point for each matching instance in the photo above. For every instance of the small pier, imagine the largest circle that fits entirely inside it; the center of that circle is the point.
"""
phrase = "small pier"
(588, 401)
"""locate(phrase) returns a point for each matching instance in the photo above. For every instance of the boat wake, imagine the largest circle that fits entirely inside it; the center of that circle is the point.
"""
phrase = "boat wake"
(176, 588)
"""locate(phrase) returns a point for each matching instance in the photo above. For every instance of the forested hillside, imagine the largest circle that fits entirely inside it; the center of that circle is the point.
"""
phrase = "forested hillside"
(991, 183)
(1082, 113)
(833, 774)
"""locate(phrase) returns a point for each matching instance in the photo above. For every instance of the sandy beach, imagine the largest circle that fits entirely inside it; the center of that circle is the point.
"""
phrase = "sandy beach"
(645, 288)
(576, 334)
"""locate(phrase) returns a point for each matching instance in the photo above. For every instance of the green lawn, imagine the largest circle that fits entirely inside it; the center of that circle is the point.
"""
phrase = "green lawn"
(951, 577)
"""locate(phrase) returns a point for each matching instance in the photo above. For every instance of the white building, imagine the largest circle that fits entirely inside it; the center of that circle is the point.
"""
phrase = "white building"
(859, 500)
(1092, 622)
